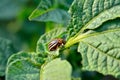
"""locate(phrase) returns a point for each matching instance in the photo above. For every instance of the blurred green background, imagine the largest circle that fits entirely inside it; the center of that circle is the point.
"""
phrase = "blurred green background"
(15, 26)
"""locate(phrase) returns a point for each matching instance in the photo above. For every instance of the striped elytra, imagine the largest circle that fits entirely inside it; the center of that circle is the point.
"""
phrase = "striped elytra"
(55, 44)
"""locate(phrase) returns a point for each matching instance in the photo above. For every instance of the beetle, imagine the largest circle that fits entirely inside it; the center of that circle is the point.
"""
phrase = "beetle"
(55, 44)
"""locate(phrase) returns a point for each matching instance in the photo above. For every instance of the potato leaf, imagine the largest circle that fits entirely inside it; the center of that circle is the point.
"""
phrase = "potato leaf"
(22, 70)
(6, 49)
(101, 50)
(24, 66)
(90, 14)
(26, 56)
(57, 69)
(95, 25)
(51, 10)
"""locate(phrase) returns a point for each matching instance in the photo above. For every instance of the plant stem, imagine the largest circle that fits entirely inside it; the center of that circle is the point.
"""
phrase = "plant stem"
(74, 40)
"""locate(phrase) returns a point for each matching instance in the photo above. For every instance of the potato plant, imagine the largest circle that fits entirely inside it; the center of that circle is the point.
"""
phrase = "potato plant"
(93, 31)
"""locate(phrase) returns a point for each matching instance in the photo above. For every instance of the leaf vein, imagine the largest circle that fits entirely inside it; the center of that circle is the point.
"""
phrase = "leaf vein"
(100, 33)
(100, 51)
(92, 19)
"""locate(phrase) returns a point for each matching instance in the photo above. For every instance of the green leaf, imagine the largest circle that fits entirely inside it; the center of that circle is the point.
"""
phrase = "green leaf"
(6, 49)
(101, 50)
(26, 56)
(51, 10)
(57, 69)
(95, 25)
(90, 14)
(24, 66)
(22, 70)
(42, 44)
(18, 56)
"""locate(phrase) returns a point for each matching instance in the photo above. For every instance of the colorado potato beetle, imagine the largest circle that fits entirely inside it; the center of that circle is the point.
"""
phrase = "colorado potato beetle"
(55, 43)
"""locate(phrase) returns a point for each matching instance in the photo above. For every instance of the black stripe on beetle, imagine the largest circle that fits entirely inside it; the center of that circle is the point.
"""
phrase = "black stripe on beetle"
(55, 44)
